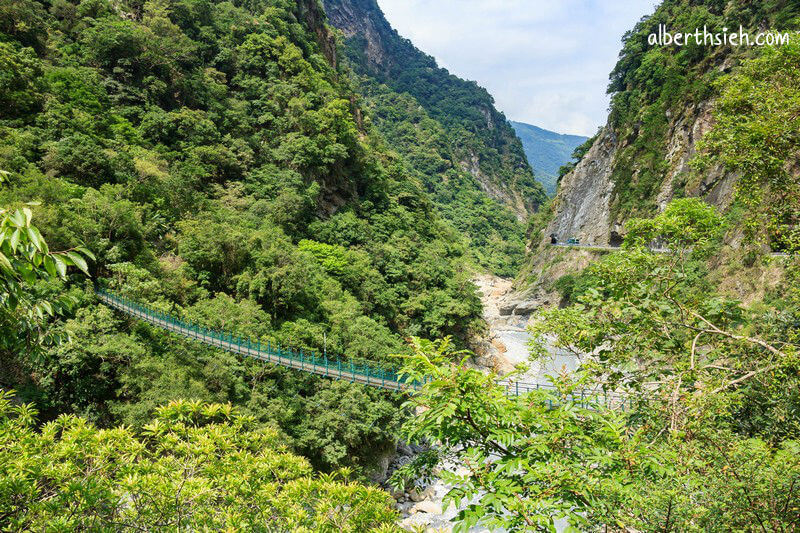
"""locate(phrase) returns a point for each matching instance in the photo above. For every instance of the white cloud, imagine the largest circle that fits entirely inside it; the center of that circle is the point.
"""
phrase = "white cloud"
(546, 62)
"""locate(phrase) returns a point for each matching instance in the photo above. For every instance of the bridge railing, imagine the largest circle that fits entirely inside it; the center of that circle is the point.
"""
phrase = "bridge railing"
(582, 397)
(337, 368)
(345, 369)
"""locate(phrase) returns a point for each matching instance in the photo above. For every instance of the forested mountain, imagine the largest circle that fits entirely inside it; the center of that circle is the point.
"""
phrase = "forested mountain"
(547, 152)
(698, 121)
(448, 131)
(231, 164)
(482, 140)
(212, 157)
(665, 100)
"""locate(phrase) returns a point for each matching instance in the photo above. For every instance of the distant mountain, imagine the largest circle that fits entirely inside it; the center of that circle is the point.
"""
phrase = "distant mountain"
(547, 151)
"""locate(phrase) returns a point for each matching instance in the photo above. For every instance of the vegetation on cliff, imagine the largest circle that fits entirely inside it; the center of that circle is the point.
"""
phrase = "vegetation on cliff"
(211, 156)
(756, 135)
(449, 133)
(652, 86)
(494, 236)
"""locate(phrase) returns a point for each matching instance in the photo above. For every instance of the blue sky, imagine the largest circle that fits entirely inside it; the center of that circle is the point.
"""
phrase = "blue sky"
(546, 62)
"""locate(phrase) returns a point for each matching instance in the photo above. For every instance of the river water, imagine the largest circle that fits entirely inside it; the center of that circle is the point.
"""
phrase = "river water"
(516, 343)
(507, 344)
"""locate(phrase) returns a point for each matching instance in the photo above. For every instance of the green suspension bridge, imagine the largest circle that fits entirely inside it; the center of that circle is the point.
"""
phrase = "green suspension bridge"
(312, 363)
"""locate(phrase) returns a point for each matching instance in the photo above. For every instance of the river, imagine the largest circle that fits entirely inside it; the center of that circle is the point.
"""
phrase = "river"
(505, 346)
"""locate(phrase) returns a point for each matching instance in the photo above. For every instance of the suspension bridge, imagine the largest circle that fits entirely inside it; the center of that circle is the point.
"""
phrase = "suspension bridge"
(313, 363)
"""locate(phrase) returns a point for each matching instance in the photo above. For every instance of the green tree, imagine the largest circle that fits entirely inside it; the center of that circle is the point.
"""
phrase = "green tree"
(655, 317)
(20, 83)
(523, 462)
(692, 451)
(196, 466)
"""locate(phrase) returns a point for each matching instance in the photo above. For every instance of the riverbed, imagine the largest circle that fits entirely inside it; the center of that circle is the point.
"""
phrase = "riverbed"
(504, 346)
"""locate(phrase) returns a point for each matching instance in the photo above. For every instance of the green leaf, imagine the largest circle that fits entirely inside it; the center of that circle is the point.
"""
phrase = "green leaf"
(34, 237)
(49, 265)
(45, 249)
(15, 237)
(79, 262)
(61, 267)
(5, 263)
(26, 271)
(85, 251)
(18, 218)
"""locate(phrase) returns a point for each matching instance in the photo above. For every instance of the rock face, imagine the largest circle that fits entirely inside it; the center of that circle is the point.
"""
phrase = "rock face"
(583, 203)
(585, 199)
(315, 19)
(362, 19)
(496, 189)
(584, 207)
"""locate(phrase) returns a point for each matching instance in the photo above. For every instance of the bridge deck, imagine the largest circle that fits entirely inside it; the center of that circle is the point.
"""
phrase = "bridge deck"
(334, 369)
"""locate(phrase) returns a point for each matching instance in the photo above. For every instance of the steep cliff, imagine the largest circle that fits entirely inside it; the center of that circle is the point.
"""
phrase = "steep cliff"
(663, 99)
(481, 141)
(587, 206)
(685, 121)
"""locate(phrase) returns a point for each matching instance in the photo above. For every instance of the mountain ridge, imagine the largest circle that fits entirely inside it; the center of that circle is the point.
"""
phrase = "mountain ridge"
(483, 141)
(547, 151)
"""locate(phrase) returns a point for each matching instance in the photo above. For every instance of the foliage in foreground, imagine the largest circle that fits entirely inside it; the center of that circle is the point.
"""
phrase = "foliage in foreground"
(195, 467)
(527, 460)
(712, 442)
(25, 260)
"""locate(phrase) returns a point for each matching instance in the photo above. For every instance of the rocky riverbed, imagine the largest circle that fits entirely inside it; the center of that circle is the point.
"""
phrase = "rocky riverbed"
(504, 346)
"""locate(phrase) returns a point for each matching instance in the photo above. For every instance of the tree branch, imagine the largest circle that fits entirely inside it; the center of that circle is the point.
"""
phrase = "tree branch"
(746, 377)
(752, 340)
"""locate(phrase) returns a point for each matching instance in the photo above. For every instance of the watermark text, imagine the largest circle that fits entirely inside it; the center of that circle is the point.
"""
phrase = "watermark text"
(726, 37)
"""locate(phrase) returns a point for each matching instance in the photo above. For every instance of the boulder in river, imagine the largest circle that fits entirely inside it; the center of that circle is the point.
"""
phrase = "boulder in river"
(426, 506)
(417, 494)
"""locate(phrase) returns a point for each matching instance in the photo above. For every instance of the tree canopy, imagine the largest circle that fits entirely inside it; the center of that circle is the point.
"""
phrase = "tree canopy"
(195, 466)
(708, 439)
